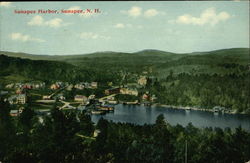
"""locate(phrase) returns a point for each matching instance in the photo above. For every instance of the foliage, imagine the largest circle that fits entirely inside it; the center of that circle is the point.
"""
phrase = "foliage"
(124, 97)
(204, 91)
(68, 137)
(202, 79)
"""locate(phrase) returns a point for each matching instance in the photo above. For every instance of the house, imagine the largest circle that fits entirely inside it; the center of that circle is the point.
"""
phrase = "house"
(46, 97)
(38, 85)
(81, 98)
(79, 86)
(54, 86)
(93, 85)
(12, 99)
(14, 113)
(21, 99)
(110, 98)
(91, 97)
(129, 91)
(142, 81)
(145, 97)
(69, 87)
(18, 85)
(87, 85)
(17, 99)
(112, 91)
(60, 84)
(19, 91)
(9, 85)
(27, 86)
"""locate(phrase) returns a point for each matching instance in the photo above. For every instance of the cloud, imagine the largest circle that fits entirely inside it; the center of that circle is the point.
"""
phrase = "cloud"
(36, 20)
(151, 13)
(24, 38)
(90, 35)
(208, 16)
(5, 4)
(54, 23)
(138, 12)
(133, 12)
(121, 26)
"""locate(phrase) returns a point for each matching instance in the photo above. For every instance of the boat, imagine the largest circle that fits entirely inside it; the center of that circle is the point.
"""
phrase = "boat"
(132, 103)
(106, 108)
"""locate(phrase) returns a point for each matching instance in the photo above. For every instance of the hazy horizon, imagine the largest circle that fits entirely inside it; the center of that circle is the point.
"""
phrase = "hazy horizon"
(125, 52)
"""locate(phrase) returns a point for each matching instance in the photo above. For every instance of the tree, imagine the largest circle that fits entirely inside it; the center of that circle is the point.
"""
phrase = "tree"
(86, 125)
(101, 140)
(162, 138)
(7, 130)
(25, 118)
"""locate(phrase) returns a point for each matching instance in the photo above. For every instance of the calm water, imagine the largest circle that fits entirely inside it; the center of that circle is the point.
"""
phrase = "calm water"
(141, 114)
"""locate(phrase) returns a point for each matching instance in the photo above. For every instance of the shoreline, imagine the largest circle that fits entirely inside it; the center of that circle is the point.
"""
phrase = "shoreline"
(195, 109)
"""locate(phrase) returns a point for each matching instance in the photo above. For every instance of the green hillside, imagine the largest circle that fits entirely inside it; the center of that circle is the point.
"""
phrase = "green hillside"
(158, 63)
(17, 69)
(203, 79)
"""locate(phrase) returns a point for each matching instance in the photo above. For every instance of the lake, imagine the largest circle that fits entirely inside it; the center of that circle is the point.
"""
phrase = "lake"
(143, 114)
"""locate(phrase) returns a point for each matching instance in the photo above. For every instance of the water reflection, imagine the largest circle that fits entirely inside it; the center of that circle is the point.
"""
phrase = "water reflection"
(141, 115)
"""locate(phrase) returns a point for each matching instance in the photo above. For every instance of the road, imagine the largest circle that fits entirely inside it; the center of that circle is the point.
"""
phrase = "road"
(66, 105)
(106, 97)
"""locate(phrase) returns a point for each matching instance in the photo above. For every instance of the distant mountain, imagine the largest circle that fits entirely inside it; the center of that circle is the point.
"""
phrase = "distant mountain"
(146, 53)
(160, 63)
(26, 55)
(154, 52)
(232, 51)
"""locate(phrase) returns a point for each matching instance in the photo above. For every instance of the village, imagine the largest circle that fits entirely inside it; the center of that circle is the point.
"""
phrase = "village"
(91, 97)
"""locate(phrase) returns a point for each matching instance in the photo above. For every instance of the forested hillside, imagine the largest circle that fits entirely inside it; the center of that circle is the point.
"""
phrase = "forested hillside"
(201, 79)
(38, 70)
(69, 137)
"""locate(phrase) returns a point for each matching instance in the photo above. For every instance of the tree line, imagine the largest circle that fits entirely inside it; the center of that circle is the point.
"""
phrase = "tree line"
(69, 137)
(206, 91)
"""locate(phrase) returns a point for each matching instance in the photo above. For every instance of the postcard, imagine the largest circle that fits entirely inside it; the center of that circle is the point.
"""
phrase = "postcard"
(124, 81)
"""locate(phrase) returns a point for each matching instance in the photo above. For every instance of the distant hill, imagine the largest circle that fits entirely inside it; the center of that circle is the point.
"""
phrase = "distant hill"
(18, 69)
(159, 63)
(234, 52)
(26, 55)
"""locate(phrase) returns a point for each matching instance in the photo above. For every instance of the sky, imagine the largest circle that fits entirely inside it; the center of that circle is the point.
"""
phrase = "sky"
(125, 26)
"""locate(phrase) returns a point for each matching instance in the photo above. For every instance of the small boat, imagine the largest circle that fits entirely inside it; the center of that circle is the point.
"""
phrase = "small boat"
(105, 108)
